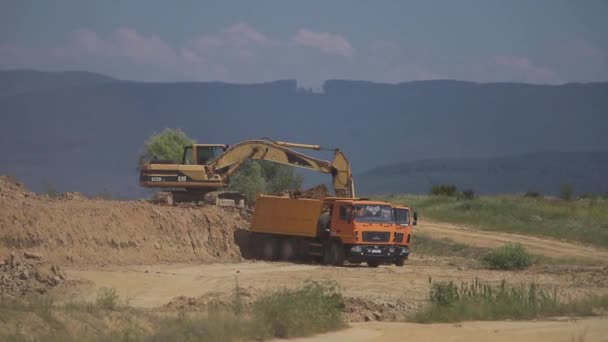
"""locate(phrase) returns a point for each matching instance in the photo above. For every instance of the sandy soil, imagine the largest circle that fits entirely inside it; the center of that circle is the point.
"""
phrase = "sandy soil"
(593, 329)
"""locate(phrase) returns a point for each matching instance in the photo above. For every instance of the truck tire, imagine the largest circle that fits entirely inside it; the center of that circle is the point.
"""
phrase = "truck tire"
(288, 249)
(326, 258)
(269, 248)
(373, 263)
(400, 262)
(337, 253)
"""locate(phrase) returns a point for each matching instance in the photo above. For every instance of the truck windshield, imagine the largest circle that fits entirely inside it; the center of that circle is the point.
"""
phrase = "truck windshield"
(402, 217)
(373, 213)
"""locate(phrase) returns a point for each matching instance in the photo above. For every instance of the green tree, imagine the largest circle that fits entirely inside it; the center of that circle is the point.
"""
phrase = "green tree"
(166, 145)
(280, 177)
(249, 180)
(566, 191)
(261, 176)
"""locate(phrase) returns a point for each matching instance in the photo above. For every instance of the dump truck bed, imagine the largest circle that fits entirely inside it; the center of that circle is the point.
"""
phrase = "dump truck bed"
(286, 216)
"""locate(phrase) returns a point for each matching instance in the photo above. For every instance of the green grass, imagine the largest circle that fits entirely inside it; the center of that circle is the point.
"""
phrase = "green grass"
(311, 309)
(584, 220)
(512, 256)
(424, 244)
(449, 302)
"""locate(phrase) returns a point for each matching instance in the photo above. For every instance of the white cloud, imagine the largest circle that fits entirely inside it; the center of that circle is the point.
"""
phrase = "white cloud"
(333, 44)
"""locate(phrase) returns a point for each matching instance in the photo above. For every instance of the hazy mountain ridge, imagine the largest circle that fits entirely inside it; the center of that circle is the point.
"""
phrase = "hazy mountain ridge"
(85, 134)
(543, 172)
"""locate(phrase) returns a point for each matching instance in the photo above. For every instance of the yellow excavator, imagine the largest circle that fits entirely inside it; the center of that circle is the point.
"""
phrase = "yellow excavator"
(206, 168)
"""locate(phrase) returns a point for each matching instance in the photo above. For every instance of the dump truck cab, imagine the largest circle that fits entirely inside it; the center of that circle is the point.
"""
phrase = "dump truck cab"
(404, 222)
(366, 231)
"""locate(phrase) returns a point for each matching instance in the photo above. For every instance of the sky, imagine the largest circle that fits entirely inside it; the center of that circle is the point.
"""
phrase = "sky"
(540, 41)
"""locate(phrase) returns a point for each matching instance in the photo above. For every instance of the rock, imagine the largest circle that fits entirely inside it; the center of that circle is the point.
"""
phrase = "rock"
(377, 315)
(25, 275)
(32, 255)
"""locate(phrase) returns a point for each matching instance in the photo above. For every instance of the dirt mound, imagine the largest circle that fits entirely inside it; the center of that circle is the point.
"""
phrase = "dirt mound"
(27, 275)
(77, 230)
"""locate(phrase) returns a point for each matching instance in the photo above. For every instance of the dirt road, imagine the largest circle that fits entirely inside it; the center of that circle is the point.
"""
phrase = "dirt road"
(542, 246)
(594, 329)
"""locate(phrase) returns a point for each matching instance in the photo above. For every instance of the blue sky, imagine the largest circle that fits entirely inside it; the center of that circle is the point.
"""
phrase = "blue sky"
(542, 41)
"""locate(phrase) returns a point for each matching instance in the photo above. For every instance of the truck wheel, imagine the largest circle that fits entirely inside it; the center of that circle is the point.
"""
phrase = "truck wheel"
(326, 253)
(269, 249)
(373, 263)
(400, 262)
(288, 249)
(337, 254)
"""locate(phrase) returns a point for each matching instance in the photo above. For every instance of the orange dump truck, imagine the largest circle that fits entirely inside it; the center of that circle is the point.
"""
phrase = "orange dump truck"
(331, 230)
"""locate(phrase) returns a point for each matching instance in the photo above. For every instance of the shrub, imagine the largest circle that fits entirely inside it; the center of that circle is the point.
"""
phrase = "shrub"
(107, 298)
(468, 194)
(566, 192)
(444, 189)
(488, 301)
(533, 194)
(512, 256)
(314, 308)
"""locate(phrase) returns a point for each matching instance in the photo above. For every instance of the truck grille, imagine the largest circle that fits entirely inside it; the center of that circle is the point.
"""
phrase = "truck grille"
(376, 236)
(399, 237)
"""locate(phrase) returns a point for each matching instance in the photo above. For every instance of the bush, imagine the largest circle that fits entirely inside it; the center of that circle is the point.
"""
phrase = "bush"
(314, 308)
(512, 256)
(262, 176)
(444, 190)
(487, 301)
(566, 192)
(533, 194)
(468, 194)
(107, 298)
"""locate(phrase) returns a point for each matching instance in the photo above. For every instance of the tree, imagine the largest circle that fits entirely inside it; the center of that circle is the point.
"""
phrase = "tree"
(262, 176)
(280, 177)
(566, 191)
(167, 145)
(249, 180)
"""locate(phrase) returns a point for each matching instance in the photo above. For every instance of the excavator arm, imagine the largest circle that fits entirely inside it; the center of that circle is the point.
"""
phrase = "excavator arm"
(280, 152)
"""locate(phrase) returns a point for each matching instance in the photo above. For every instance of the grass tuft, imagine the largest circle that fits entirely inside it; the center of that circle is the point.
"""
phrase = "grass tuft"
(486, 301)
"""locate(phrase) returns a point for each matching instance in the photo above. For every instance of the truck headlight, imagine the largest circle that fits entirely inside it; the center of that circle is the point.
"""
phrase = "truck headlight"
(391, 249)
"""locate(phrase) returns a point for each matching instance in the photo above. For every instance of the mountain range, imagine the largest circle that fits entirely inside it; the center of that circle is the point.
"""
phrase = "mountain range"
(79, 131)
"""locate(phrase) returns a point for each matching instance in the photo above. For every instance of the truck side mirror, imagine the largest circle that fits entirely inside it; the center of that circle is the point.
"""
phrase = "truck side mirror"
(415, 218)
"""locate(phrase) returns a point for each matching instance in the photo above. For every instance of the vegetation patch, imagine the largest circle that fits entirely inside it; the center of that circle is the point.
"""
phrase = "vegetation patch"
(486, 301)
(512, 256)
(584, 220)
(312, 309)
(424, 244)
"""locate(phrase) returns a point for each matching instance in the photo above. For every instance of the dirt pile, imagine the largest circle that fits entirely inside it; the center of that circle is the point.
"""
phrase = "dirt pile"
(355, 309)
(27, 275)
(70, 228)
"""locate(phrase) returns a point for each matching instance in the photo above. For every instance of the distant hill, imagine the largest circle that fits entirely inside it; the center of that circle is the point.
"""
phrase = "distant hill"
(15, 82)
(541, 172)
(83, 132)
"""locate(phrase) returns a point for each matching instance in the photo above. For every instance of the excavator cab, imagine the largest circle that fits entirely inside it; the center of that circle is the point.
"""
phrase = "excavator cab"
(202, 154)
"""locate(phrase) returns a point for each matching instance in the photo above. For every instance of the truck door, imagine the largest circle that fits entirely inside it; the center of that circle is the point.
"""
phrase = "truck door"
(404, 227)
(342, 222)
